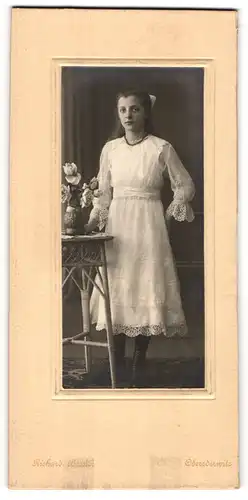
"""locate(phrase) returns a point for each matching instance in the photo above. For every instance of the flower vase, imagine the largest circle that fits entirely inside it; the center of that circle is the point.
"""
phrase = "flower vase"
(73, 221)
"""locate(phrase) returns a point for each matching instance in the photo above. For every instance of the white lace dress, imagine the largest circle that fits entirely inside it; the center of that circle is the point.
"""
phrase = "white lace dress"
(144, 288)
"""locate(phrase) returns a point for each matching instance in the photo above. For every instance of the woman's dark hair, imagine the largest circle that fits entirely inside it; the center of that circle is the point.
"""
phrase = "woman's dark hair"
(145, 101)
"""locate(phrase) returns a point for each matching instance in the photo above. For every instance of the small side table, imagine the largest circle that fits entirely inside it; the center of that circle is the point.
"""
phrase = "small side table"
(87, 253)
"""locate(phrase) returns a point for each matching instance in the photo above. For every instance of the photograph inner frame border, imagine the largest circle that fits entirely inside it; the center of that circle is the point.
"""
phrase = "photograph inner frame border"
(208, 392)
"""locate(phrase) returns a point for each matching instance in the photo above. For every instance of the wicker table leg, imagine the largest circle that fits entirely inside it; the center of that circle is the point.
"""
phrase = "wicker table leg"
(108, 320)
(85, 298)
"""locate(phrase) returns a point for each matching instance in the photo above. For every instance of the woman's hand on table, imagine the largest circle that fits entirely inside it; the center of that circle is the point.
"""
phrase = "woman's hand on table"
(90, 226)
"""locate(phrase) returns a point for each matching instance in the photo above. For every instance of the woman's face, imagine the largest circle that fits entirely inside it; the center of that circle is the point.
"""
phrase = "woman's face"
(131, 114)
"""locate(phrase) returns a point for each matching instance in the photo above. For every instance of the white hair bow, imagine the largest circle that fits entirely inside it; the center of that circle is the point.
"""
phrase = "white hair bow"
(153, 99)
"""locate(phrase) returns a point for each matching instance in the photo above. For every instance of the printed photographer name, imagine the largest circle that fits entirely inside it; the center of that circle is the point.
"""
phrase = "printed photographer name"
(73, 463)
(190, 462)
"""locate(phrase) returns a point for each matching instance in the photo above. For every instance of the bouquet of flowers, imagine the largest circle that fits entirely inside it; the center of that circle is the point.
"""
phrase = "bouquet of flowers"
(78, 195)
(75, 193)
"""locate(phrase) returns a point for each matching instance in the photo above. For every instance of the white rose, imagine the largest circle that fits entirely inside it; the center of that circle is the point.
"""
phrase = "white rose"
(70, 169)
(73, 179)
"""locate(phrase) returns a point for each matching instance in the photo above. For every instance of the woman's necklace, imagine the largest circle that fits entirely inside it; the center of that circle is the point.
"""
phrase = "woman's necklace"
(135, 142)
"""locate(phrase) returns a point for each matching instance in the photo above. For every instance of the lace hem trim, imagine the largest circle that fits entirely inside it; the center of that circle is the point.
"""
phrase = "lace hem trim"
(147, 330)
(180, 211)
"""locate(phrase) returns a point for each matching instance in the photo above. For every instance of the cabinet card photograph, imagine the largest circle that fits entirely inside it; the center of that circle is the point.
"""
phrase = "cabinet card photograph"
(123, 358)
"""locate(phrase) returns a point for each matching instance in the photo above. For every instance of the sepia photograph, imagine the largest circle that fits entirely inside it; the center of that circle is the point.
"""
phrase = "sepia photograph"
(132, 227)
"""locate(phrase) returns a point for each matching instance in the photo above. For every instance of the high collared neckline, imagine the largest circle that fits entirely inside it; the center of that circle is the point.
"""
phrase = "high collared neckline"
(137, 142)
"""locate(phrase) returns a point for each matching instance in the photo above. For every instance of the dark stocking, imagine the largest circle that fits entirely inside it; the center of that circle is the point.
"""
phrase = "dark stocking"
(141, 346)
(119, 350)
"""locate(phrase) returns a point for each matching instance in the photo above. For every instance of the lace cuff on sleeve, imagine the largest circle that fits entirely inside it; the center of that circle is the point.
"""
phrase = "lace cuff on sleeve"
(182, 187)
